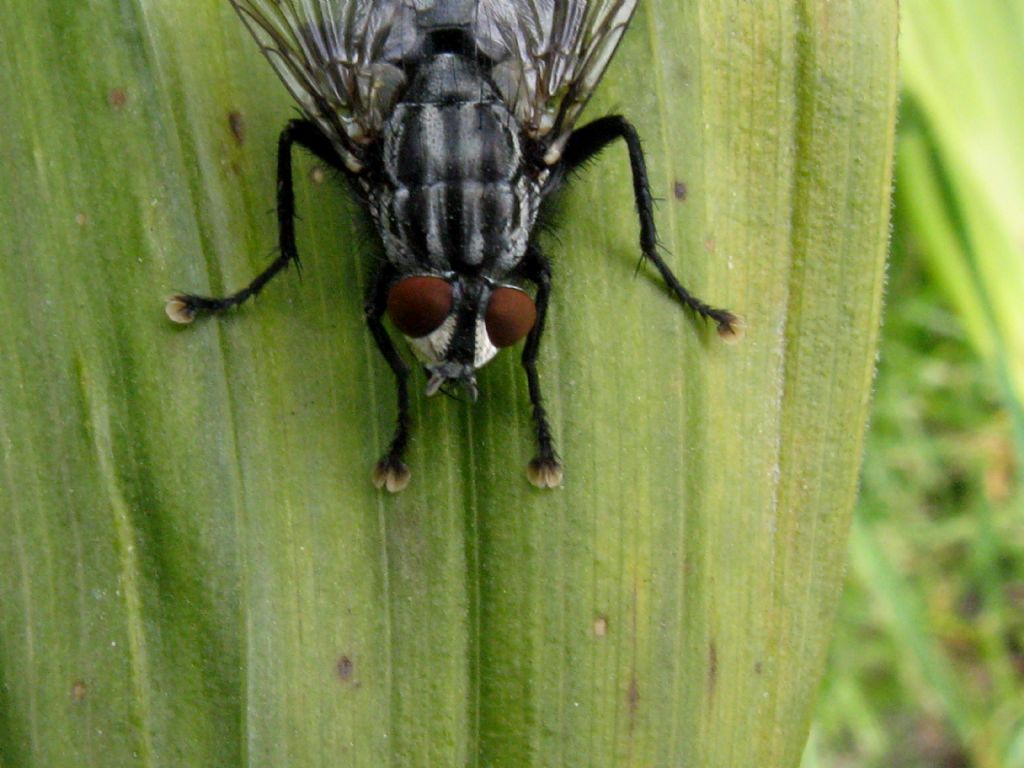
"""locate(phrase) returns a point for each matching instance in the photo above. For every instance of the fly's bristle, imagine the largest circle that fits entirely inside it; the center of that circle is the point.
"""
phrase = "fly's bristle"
(180, 310)
(391, 474)
(732, 329)
(544, 473)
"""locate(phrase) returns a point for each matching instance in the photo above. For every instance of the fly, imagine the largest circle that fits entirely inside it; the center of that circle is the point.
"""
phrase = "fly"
(454, 122)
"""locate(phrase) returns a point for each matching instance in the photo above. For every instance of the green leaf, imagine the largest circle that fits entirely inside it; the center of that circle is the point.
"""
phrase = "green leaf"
(196, 569)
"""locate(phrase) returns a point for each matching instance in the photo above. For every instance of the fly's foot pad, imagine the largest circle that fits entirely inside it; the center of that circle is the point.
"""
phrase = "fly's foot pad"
(392, 474)
(731, 328)
(181, 308)
(545, 472)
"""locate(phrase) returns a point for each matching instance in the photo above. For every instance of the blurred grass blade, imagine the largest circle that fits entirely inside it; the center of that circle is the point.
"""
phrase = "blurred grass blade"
(962, 168)
(195, 568)
(909, 622)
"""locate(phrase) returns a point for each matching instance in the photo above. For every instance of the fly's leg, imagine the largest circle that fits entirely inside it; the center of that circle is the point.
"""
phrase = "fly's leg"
(390, 472)
(583, 145)
(545, 470)
(183, 307)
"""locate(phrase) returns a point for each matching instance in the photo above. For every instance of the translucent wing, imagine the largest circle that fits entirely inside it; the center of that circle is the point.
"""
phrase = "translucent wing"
(337, 59)
(550, 56)
(344, 60)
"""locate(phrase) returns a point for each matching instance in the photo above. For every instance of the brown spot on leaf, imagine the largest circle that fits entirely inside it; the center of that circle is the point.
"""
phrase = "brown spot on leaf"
(345, 669)
(758, 668)
(712, 668)
(117, 97)
(679, 190)
(600, 626)
(633, 695)
(317, 174)
(236, 122)
(78, 691)
(81, 219)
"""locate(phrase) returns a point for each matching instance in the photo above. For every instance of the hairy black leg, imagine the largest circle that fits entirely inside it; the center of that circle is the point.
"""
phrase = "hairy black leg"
(183, 308)
(583, 144)
(545, 470)
(390, 472)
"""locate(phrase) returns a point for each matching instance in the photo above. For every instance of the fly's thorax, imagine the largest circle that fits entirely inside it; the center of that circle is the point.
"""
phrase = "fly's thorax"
(453, 192)
(456, 324)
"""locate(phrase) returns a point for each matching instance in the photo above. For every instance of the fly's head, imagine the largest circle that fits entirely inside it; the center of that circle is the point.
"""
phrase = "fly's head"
(456, 324)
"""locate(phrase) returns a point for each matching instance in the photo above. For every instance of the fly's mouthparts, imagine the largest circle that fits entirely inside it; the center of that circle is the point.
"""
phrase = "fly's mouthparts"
(467, 380)
(434, 385)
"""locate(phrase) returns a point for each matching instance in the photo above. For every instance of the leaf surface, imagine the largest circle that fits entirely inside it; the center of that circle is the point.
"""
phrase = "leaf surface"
(196, 569)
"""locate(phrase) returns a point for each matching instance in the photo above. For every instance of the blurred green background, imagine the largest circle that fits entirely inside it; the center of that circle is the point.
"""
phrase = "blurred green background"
(927, 664)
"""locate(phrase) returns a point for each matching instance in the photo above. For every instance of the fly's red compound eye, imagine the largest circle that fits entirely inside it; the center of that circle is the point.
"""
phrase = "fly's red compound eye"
(418, 305)
(511, 314)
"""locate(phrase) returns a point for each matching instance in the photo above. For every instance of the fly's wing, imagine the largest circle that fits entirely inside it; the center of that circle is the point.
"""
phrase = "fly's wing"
(339, 58)
(343, 60)
(550, 56)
